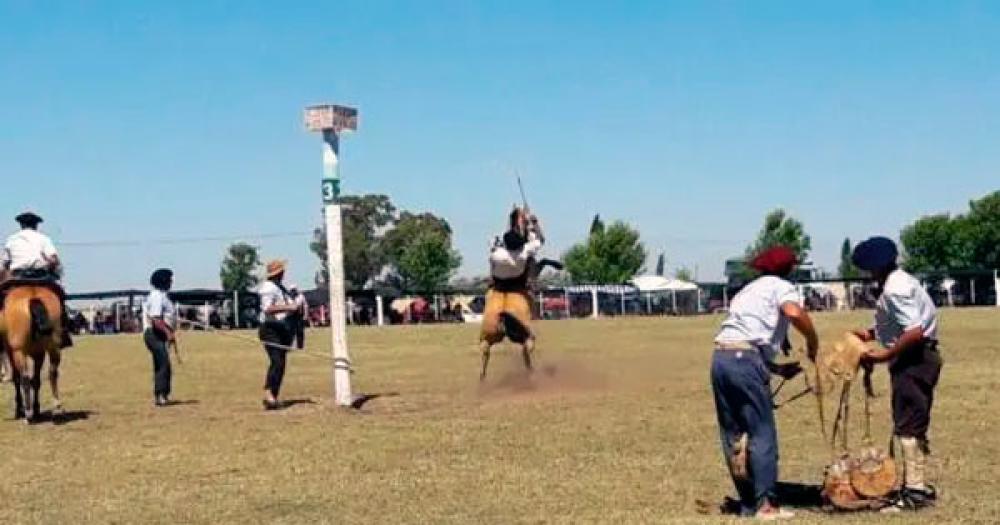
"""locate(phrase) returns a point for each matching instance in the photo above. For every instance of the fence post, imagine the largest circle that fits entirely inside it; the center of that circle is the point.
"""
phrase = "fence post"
(593, 302)
(996, 287)
(972, 290)
(236, 309)
(378, 310)
(623, 301)
(569, 313)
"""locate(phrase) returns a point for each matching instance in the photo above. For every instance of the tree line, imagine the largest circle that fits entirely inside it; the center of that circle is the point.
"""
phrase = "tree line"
(388, 248)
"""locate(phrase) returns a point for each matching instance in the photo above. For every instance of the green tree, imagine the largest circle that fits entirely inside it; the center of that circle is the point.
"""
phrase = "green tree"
(781, 229)
(596, 225)
(661, 265)
(407, 228)
(239, 267)
(847, 270)
(365, 217)
(983, 228)
(610, 255)
(684, 274)
(938, 243)
(427, 261)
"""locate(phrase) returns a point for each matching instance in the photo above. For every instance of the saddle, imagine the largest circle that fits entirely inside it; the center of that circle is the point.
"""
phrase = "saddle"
(862, 480)
(45, 281)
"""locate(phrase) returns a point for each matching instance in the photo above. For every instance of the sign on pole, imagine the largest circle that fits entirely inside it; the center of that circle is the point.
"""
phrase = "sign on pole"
(331, 121)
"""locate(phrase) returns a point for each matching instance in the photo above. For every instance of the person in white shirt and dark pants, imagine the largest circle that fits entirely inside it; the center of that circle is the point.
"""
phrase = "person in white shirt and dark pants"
(276, 304)
(745, 347)
(906, 329)
(159, 322)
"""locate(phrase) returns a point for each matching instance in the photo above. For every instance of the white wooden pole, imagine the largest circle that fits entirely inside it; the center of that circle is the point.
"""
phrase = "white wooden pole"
(673, 300)
(541, 305)
(378, 310)
(236, 309)
(623, 302)
(335, 266)
(649, 304)
(996, 286)
(593, 302)
(566, 302)
(725, 297)
(972, 290)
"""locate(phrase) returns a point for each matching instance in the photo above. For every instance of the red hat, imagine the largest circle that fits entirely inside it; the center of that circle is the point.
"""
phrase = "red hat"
(778, 260)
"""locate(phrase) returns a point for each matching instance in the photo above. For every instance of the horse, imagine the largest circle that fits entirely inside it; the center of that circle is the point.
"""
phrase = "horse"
(31, 327)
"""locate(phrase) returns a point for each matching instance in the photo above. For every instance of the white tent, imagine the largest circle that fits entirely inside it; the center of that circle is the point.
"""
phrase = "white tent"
(657, 283)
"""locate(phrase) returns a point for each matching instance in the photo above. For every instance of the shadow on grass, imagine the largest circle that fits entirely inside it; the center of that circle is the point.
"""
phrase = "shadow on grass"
(178, 402)
(361, 399)
(800, 496)
(289, 403)
(61, 418)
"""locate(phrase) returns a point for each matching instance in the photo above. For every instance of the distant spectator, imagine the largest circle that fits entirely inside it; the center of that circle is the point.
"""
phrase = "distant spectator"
(275, 305)
(159, 323)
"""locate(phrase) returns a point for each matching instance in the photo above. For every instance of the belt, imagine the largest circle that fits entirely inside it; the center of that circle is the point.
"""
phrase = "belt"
(735, 346)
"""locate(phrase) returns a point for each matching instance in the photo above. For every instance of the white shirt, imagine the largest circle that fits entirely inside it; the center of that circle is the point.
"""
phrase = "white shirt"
(271, 295)
(903, 305)
(755, 314)
(158, 305)
(25, 250)
(505, 264)
(300, 301)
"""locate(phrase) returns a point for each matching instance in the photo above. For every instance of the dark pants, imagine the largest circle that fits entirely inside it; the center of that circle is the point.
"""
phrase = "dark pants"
(157, 346)
(271, 333)
(297, 325)
(914, 376)
(741, 384)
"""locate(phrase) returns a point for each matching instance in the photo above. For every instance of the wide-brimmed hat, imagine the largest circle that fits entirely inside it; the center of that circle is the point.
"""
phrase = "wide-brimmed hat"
(28, 218)
(276, 267)
(777, 260)
(874, 254)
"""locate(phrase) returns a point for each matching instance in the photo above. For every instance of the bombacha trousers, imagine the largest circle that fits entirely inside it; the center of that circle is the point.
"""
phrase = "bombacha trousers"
(161, 362)
(741, 385)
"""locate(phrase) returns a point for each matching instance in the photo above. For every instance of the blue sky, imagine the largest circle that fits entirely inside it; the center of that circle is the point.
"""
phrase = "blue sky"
(131, 121)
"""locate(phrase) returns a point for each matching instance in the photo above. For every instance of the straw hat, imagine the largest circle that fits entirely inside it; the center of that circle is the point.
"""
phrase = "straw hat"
(275, 267)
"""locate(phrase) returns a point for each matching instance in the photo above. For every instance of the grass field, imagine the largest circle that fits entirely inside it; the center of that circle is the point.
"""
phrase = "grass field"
(617, 427)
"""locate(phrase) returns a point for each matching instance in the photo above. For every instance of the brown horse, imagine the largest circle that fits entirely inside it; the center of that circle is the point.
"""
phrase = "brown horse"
(31, 327)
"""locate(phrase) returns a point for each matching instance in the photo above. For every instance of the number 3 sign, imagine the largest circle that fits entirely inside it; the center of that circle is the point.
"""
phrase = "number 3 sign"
(331, 191)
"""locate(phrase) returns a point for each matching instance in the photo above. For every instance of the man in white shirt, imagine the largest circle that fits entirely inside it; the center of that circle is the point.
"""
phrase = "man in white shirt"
(297, 320)
(275, 307)
(30, 254)
(745, 346)
(906, 329)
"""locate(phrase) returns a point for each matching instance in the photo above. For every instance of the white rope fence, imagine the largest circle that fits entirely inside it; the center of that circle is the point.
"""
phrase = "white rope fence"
(256, 341)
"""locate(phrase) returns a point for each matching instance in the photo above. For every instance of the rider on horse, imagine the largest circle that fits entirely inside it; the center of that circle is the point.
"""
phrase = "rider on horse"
(29, 257)
(508, 301)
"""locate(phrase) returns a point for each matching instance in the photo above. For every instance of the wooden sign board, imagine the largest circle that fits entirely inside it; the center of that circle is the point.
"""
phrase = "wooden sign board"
(330, 116)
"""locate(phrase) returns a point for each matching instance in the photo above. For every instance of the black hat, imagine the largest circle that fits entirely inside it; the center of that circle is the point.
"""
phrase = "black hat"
(874, 254)
(160, 278)
(28, 218)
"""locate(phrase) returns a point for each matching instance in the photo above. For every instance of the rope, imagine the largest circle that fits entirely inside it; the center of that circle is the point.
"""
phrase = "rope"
(209, 328)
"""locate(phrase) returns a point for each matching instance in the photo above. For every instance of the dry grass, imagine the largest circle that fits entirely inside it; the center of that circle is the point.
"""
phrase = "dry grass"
(619, 428)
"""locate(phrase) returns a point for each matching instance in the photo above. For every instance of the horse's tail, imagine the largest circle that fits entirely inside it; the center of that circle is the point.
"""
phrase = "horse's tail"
(514, 329)
(41, 325)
